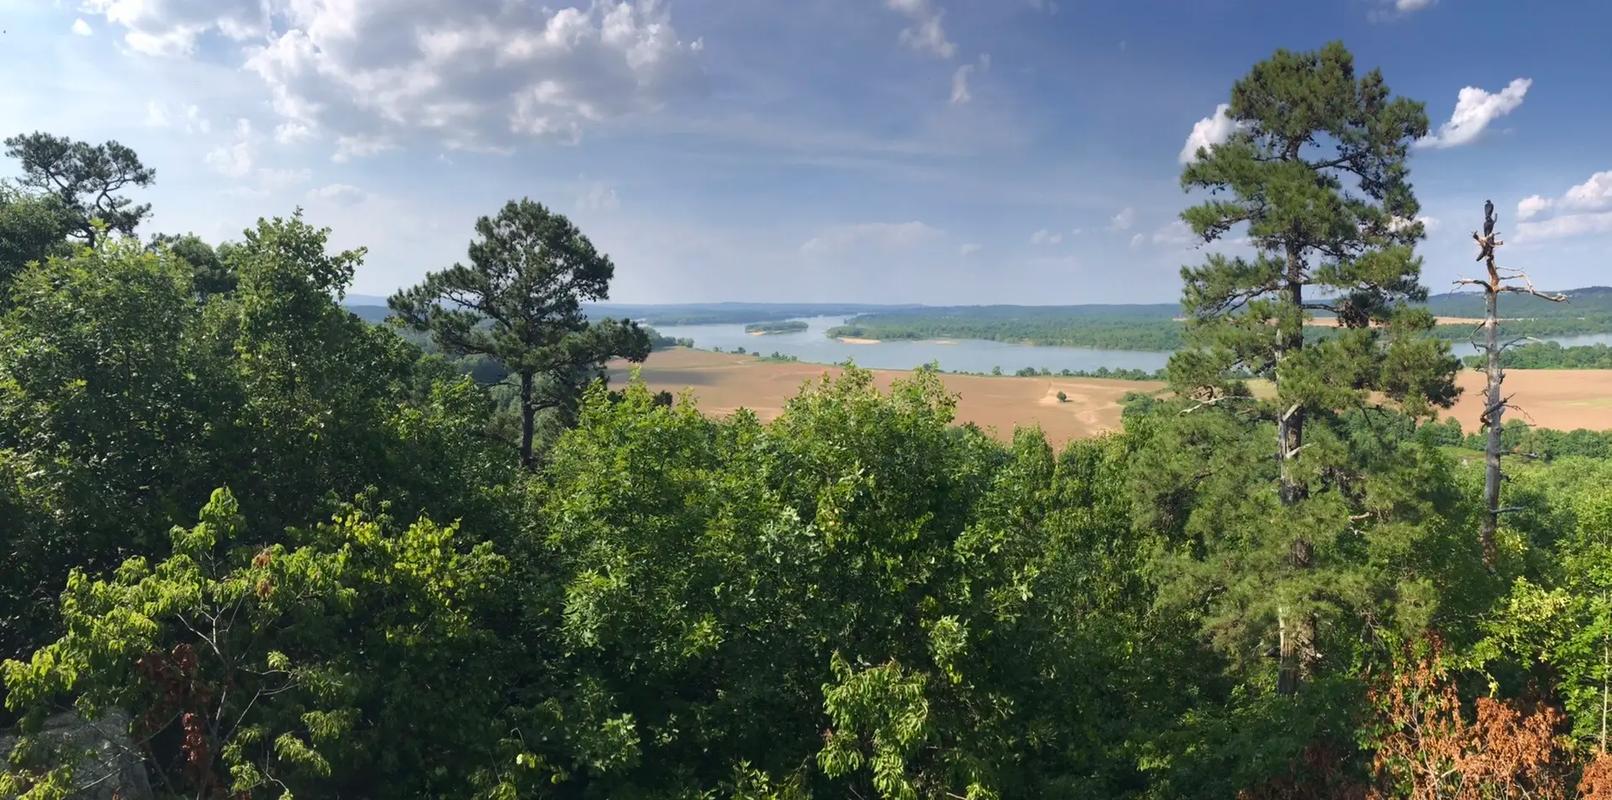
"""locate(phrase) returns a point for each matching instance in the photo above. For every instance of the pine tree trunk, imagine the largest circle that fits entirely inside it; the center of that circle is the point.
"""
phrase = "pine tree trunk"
(1494, 409)
(1297, 643)
(528, 413)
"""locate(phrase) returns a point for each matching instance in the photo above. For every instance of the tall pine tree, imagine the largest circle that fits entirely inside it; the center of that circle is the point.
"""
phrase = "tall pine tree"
(1315, 176)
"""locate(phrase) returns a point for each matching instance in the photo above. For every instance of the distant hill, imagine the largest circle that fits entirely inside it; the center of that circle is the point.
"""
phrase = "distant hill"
(717, 313)
(369, 312)
(1584, 303)
(1590, 301)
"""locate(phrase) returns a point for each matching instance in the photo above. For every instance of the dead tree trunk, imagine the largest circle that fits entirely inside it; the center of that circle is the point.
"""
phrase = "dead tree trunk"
(1494, 403)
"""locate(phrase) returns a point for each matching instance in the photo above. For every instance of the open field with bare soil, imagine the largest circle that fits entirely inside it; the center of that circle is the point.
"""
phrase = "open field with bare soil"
(723, 382)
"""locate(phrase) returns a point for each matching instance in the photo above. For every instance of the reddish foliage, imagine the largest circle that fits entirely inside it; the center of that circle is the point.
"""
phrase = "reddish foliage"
(180, 694)
(1596, 784)
(1432, 748)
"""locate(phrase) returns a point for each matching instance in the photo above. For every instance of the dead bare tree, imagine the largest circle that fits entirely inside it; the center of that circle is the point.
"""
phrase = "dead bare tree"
(1500, 280)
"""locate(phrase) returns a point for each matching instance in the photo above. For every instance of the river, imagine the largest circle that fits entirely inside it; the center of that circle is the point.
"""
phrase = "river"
(960, 355)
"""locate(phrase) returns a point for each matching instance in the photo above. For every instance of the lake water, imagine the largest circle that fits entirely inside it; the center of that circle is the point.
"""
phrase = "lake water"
(962, 355)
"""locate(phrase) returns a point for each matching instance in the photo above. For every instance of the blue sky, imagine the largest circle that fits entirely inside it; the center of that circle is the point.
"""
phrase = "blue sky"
(934, 151)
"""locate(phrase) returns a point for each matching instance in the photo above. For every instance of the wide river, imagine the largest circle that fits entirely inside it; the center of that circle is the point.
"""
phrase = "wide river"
(959, 355)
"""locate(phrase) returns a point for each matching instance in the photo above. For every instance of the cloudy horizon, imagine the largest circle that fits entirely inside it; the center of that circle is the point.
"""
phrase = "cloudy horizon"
(882, 151)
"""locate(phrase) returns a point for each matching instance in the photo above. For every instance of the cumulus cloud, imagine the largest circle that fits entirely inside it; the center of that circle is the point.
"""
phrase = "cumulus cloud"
(969, 249)
(1208, 132)
(234, 160)
(1429, 224)
(172, 28)
(1407, 6)
(477, 74)
(1123, 220)
(1475, 109)
(598, 197)
(1532, 206)
(1045, 236)
(1592, 194)
(339, 193)
(81, 27)
(188, 119)
(1584, 208)
(870, 235)
(926, 34)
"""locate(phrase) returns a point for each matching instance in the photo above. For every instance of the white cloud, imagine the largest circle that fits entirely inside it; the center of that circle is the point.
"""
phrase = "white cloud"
(598, 197)
(1173, 234)
(1429, 224)
(339, 193)
(1207, 132)
(157, 115)
(926, 34)
(1137, 240)
(961, 92)
(292, 132)
(1532, 206)
(969, 249)
(234, 160)
(82, 28)
(475, 74)
(189, 119)
(1045, 236)
(350, 147)
(172, 28)
(870, 235)
(1594, 193)
(1475, 109)
(1123, 220)
(1563, 227)
(1584, 208)
(1394, 9)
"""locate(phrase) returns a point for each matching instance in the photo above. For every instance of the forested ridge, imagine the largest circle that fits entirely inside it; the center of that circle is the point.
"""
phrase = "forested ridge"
(295, 553)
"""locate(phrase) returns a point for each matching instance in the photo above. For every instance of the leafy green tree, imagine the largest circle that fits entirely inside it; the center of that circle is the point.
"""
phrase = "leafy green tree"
(85, 180)
(1568, 626)
(210, 270)
(31, 229)
(520, 302)
(355, 660)
(101, 414)
(802, 604)
(1316, 176)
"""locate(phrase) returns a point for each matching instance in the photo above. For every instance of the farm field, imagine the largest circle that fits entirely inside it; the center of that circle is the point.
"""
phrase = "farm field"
(724, 382)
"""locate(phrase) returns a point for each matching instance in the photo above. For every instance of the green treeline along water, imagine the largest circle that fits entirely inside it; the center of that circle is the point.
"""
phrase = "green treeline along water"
(1551, 355)
(280, 551)
(1156, 327)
